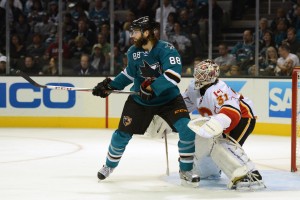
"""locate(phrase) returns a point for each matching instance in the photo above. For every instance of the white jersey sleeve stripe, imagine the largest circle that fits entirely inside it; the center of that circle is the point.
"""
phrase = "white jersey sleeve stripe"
(172, 76)
(127, 75)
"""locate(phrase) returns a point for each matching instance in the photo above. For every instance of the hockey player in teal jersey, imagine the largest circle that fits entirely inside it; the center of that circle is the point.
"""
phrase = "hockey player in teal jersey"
(154, 67)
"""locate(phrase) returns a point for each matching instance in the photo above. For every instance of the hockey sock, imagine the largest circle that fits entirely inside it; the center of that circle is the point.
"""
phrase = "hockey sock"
(116, 148)
(186, 144)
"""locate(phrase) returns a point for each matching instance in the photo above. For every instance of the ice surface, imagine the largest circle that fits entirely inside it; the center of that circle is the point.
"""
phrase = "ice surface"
(62, 164)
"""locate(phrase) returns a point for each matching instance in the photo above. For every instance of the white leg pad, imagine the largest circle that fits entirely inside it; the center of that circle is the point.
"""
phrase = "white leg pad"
(204, 166)
(231, 159)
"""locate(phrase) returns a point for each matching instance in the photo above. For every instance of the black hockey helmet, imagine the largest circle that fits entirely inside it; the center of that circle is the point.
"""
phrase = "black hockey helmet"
(144, 23)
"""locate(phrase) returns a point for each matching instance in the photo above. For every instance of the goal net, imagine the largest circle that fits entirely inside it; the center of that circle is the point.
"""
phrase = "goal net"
(295, 150)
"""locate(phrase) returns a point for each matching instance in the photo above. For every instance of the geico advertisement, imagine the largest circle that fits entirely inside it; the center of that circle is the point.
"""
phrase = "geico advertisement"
(271, 97)
(18, 97)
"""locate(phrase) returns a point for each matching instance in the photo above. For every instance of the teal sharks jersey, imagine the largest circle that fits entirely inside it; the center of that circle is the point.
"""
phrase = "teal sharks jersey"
(162, 64)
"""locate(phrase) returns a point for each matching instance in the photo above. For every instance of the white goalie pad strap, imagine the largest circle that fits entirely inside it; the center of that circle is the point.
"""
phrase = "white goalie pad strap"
(206, 127)
(231, 159)
(158, 127)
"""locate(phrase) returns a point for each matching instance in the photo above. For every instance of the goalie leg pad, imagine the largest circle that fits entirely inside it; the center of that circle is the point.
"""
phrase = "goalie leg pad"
(204, 166)
(158, 127)
(232, 160)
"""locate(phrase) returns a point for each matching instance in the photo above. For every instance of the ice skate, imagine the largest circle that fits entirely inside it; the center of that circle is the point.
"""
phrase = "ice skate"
(189, 179)
(104, 172)
(252, 181)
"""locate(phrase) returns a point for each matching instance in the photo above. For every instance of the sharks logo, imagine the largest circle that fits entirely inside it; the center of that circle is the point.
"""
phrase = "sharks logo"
(150, 71)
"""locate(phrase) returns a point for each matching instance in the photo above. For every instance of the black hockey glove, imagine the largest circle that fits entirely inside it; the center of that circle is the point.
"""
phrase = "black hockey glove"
(144, 93)
(102, 88)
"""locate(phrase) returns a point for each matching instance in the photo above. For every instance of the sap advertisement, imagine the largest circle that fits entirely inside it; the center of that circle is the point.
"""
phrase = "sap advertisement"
(271, 98)
(280, 99)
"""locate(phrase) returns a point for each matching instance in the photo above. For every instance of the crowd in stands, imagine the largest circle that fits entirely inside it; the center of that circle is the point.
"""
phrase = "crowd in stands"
(34, 37)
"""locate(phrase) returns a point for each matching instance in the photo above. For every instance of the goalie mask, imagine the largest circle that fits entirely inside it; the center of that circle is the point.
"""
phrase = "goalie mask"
(205, 72)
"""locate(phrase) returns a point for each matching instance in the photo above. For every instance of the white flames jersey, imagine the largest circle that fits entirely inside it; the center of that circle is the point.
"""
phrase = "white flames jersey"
(219, 98)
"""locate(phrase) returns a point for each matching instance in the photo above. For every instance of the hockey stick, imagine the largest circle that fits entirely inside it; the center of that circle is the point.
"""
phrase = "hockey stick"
(53, 87)
(167, 153)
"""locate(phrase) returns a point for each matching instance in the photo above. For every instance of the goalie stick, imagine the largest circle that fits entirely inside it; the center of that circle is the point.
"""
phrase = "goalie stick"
(53, 87)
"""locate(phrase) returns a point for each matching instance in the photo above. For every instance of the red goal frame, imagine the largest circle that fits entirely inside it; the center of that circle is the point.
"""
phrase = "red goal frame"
(295, 83)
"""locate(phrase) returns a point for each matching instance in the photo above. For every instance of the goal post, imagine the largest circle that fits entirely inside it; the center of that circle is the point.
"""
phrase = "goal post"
(295, 121)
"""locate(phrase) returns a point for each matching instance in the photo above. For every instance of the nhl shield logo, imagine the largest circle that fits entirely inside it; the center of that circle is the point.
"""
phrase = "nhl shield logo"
(127, 120)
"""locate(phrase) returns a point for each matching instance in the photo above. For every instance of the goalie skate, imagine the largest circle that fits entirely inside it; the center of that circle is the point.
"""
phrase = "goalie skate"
(252, 181)
(189, 179)
(104, 172)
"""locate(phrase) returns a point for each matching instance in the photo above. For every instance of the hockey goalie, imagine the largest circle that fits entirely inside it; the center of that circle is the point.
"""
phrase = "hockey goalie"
(226, 120)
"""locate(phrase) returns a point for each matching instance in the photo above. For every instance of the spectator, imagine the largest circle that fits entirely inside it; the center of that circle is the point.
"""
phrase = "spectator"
(83, 30)
(124, 41)
(105, 46)
(36, 48)
(17, 49)
(98, 60)
(286, 69)
(3, 64)
(142, 9)
(217, 18)
(263, 28)
(104, 30)
(190, 28)
(36, 13)
(234, 70)
(45, 27)
(85, 67)
(268, 41)
(172, 18)
(79, 11)
(80, 47)
(98, 14)
(29, 66)
(283, 63)
(292, 41)
(52, 50)
(182, 43)
(21, 27)
(268, 63)
(244, 51)
(68, 26)
(118, 60)
(280, 16)
(167, 8)
(225, 60)
(53, 12)
(51, 68)
(280, 33)
(296, 19)
(189, 70)
(15, 8)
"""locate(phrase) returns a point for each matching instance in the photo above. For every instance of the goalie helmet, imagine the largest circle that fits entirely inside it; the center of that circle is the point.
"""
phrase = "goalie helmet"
(144, 23)
(205, 72)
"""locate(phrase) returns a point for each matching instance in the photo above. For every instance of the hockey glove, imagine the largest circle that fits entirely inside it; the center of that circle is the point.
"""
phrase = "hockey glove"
(144, 93)
(102, 88)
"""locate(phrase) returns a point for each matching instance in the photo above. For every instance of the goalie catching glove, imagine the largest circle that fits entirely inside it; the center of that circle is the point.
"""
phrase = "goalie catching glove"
(209, 127)
(102, 88)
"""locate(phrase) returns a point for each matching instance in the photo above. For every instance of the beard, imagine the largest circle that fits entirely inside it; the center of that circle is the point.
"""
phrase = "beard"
(140, 42)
